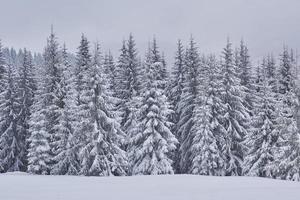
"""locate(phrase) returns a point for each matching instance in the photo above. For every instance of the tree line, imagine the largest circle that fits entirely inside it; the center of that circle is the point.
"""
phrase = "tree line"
(87, 114)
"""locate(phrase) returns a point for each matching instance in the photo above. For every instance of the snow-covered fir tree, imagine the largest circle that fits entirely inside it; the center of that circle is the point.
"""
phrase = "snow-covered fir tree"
(164, 71)
(289, 152)
(153, 143)
(110, 72)
(175, 87)
(235, 114)
(207, 131)
(129, 86)
(26, 91)
(156, 57)
(11, 140)
(285, 72)
(121, 75)
(262, 140)
(133, 67)
(174, 93)
(271, 73)
(187, 105)
(2, 67)
(288, 155)
(245, 75)
(288, 159)
(100, 153)
(83, 61)
(66, 160)
(47, 111)
(39, 148)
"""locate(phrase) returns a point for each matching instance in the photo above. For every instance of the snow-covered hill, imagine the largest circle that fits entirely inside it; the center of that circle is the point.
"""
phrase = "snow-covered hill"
(21, 186)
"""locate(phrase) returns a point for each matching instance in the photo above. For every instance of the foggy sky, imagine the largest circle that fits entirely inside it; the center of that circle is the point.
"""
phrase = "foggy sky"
(265, 25)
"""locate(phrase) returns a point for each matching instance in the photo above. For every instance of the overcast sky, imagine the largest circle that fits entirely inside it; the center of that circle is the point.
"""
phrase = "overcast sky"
(265, 25)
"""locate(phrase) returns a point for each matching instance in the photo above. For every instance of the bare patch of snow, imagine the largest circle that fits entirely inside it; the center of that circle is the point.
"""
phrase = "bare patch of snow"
(15, 186)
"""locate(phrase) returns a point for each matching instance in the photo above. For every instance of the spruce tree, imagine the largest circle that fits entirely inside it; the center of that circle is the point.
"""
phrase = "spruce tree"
(245, 75)
(271, 72)
(39, 148)
(207, 131)
(235, 114)
(66, 160)
(127, 81)
(121, 75)
(2, 68)
(26, 91)
(285, 72)
(110, 71)
(100, 154)
(187, 104)
(11, 140)
(47, 112)
(128, 72)
(174, 93)
(153, 142)
(262, 140)
(83, 63)
(288, 159)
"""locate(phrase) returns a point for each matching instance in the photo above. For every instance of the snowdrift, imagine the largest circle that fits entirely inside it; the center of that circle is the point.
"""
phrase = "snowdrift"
(22, 186)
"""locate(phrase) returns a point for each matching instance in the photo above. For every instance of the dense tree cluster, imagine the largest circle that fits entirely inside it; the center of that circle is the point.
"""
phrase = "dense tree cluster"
(87, 114)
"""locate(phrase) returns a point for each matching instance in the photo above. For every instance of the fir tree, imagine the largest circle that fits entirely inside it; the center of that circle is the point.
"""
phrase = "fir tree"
(129, 84)
(289, 165)
(187, 104)
(271, 73)
(154, 141)
(287, 159)
(26, 90)
(164, 71)
(245, 75)
(174, 93)
(83, 61)
(101, 154)
(2, 68)
(47, 112)
(121, 75)
(207, 131)
(235, 114)
(128, 80)
(262, 140)
(66, 157)
(285, 72)
(110, 71)
(134, 67)
(11, 140)
(39, 148)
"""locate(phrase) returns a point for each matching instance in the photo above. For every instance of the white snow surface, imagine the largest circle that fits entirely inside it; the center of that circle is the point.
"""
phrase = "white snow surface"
(19, 186)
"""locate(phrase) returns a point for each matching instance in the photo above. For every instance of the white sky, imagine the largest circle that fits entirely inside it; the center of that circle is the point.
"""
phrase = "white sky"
(264, 24)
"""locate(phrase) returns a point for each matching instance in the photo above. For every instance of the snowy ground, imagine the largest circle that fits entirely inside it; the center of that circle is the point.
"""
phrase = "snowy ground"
(21, 186)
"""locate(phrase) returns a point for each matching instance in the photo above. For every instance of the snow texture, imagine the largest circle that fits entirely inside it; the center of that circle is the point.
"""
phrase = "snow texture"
(16, 186)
